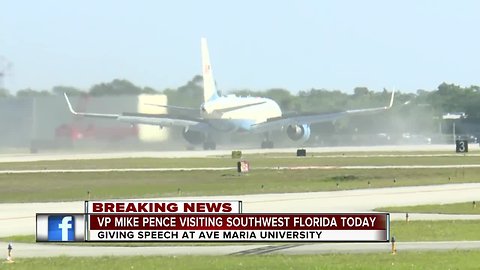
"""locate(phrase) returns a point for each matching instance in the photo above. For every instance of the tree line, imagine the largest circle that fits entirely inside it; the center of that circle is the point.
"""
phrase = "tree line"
(446, 98)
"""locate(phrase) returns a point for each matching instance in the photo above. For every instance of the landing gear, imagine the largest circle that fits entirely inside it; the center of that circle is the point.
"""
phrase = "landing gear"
(209, 146)
(267, 144)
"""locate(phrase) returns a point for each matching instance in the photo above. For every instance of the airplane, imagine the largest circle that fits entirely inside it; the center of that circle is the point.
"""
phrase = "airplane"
(229, 114)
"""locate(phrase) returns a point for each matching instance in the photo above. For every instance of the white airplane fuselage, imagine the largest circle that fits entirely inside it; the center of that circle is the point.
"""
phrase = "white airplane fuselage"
(223, 114)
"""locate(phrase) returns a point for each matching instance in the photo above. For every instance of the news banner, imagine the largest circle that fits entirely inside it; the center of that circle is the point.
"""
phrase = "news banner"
(205, 221)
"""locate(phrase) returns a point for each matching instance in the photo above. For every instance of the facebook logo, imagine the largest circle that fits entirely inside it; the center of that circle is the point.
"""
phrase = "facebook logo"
(61, 228)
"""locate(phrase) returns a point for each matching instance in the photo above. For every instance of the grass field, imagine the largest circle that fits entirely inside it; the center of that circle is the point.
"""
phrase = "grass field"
(403, 260)
(35, 187)
(440, 230)
(110, 185)
(472, 208)
(38, 187)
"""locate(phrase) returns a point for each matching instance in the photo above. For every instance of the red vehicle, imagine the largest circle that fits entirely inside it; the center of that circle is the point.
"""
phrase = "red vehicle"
(81, 129)
(75, 132)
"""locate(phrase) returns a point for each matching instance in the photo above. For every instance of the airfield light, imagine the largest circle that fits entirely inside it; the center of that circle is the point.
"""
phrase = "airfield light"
(301, 152)
(236, 154)
(9, 254)
(394, 245)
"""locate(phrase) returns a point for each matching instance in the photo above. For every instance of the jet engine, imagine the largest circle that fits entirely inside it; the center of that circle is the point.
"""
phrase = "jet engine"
(298, 132)
(193, 137)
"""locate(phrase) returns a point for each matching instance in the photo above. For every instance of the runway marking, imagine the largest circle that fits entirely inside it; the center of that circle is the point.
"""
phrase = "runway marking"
(117, 170)
(265, 250)
(369, 167)
(10, 218)
(319, 155)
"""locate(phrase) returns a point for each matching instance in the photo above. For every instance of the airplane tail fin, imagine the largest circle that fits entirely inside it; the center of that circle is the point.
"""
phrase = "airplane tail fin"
(209, 89)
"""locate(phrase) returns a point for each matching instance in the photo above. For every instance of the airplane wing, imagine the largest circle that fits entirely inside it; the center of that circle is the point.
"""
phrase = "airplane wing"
(278, 123)
(221, 111)
(188, 109)
(161, 120)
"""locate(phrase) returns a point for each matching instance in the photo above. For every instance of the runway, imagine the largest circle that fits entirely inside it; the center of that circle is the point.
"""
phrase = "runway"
(19, 157)
(370, 167)
(48, 250)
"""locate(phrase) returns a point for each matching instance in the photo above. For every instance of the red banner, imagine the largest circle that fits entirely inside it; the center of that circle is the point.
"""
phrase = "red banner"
(237, 222)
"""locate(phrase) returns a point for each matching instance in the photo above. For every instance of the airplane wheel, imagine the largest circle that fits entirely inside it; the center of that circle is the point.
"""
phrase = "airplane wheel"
(206, 146)
(209, 146)
(267, 144)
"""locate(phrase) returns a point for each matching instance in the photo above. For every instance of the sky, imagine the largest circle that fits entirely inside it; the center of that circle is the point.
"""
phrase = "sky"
(256, 45)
